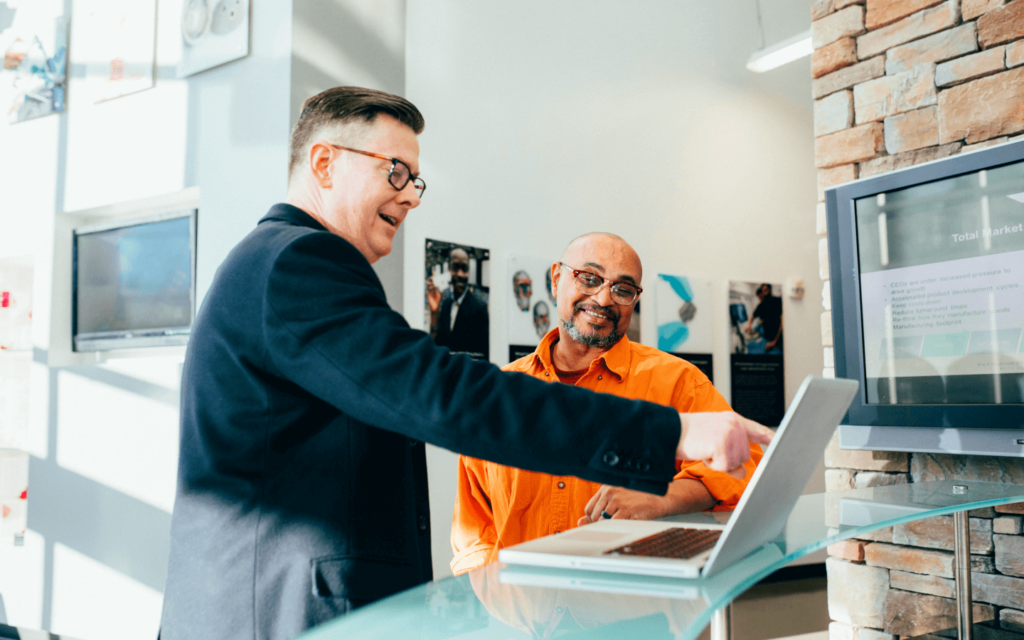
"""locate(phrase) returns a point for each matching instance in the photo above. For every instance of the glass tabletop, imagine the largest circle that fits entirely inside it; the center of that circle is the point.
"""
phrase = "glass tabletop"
(511, 602)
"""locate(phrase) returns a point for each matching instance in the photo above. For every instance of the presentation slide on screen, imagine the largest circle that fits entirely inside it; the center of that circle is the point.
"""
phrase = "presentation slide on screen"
(942, 292)
(959, 317)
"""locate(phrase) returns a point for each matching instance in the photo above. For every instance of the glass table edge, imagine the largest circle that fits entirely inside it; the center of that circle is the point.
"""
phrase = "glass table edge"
(730, 592)
(842, 534)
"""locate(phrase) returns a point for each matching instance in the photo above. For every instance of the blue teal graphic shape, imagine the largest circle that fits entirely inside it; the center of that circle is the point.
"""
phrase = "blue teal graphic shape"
(672, 335)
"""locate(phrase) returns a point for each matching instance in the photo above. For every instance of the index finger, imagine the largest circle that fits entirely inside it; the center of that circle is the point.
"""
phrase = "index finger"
(593, 500)
(757, 432)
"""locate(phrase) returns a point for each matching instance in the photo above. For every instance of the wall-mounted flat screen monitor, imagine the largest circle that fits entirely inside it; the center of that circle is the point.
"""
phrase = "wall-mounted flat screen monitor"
(927, 273)
(134, 282)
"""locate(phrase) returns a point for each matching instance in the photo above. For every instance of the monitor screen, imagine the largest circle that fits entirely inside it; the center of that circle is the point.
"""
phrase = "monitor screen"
(133, 281)
(941, 270)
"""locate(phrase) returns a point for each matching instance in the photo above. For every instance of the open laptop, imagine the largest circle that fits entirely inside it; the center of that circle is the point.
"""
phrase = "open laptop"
(677, 550)
(638, 585)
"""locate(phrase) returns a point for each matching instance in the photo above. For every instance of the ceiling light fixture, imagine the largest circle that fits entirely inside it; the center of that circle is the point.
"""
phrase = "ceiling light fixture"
(781, 53)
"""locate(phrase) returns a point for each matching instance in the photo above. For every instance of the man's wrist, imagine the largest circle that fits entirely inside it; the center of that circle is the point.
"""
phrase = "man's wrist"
(688, 495)
(684, 427)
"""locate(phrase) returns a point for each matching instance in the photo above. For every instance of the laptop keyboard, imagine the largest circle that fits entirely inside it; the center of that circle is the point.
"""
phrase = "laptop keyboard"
(677, 542)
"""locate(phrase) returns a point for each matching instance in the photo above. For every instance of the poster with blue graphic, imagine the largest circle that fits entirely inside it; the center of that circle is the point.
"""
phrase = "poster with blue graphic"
(684, 319)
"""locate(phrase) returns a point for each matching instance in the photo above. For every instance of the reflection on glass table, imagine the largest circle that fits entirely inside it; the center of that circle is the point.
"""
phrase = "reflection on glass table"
(503, 601)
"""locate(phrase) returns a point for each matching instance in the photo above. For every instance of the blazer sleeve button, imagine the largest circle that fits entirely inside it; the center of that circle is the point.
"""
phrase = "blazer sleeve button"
(611, 458)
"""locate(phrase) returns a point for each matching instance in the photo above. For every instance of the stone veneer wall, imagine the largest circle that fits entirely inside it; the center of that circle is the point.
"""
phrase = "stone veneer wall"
(897, 83)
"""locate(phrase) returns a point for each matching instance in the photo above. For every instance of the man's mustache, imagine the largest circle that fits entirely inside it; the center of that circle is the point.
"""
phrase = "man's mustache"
(605, 311)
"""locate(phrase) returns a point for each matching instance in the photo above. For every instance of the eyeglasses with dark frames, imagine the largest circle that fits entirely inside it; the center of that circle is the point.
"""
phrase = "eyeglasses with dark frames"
(400, 173)
(590, 283)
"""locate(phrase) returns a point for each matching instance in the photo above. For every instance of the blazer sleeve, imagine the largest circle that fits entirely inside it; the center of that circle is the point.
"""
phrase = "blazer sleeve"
(329, 330)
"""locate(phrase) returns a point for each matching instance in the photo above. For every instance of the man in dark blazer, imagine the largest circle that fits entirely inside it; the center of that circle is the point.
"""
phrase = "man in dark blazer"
(306, 400)
(469, 333)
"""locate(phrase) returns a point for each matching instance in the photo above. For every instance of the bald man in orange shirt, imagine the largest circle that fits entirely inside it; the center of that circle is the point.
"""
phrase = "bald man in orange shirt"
(597, 284)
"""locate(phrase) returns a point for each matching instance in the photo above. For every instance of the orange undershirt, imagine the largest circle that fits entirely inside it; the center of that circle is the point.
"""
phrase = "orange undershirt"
(498, 506)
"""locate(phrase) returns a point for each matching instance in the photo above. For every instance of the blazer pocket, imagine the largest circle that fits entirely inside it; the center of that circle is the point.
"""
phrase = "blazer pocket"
(359, 579)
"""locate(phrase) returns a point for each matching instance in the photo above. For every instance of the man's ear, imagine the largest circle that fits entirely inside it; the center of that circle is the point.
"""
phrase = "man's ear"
(320, 157)
(556, 275)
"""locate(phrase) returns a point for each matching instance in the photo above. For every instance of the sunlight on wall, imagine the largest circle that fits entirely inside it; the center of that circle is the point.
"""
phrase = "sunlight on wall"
(105, 437)
(27, 184)
(99, 424)
(90, 600)
(39, 410)
(130, 147)
(21, 580)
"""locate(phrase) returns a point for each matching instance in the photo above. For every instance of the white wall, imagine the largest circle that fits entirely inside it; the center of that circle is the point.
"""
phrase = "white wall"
(105, 437)
(352, 42)
(546, 120)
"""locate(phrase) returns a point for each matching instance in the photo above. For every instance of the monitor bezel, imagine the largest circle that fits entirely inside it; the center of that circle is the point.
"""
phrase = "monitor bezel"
(847, 329)
(127, 339)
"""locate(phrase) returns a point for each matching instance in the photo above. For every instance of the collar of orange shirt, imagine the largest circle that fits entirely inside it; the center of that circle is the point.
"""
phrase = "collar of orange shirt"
(615, 360)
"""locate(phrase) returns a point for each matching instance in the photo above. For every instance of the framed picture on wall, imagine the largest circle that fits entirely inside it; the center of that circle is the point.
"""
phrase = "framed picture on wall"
(532, 308)
(757, 373)
(684, 320)
(35, 65)
(457, 293)
(115, 42)
(213, 32)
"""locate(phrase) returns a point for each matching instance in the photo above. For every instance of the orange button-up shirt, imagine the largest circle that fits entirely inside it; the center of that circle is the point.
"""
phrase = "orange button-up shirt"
(498, 506)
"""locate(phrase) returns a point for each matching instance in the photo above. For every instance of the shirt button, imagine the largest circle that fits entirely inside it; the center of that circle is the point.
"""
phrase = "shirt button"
(600, 377)
(561, 485)
(611, 458)
(546, 374)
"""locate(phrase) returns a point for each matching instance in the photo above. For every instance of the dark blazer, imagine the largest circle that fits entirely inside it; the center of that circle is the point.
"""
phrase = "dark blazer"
(302, 485)
(471, 333)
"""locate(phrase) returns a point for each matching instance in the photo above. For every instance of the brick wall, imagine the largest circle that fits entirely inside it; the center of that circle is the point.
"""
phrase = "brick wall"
(897, 83)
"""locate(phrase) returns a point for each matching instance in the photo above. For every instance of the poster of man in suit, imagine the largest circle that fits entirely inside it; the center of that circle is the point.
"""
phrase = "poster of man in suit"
(457, 290)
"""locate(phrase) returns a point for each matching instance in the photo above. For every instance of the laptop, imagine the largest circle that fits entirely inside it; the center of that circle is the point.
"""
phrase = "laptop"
(637, 585)
(675, 550)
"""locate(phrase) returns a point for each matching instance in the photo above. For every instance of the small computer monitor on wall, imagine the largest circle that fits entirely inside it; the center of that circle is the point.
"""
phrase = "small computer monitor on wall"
(927, 279)
(133, 282)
